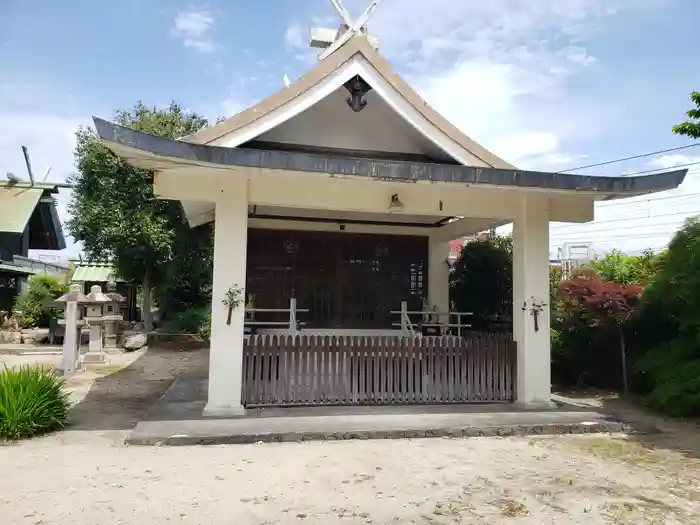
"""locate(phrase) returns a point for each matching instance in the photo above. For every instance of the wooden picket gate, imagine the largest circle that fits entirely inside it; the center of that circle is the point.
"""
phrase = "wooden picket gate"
(281, 370)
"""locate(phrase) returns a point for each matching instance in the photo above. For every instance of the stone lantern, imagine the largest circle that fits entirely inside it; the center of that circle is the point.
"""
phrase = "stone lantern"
(95, 306)
(113, 317)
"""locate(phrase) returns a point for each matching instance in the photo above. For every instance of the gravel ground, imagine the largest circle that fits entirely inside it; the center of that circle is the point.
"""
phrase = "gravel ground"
(85, 475)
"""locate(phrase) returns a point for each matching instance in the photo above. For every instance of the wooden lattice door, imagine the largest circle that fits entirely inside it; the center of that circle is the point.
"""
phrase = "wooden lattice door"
(345, 280)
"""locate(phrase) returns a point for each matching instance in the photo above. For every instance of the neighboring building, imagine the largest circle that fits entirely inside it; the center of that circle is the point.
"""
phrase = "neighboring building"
(456, 245)
(28, 221)
(343, 191)
(40, 267)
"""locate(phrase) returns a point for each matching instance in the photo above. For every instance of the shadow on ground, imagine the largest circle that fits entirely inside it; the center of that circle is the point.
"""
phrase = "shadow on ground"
(119, 400)
(651, 430)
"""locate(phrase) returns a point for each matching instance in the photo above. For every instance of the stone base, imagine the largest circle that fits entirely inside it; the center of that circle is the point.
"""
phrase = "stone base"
(243, 430)
(223, 411)
(536, 405)
(94, 357)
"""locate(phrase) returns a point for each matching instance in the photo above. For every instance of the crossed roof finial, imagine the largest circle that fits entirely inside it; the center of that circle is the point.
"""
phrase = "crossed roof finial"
(332, 40)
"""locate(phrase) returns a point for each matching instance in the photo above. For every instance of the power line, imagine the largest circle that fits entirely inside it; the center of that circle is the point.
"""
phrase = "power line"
(623, 238)
(599, 231)
(660, 169)
(626, 202)
(633, 157)
(620, 219)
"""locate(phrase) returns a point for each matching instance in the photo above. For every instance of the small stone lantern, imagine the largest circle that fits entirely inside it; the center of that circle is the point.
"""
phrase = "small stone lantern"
(113, 317)
(95, 305)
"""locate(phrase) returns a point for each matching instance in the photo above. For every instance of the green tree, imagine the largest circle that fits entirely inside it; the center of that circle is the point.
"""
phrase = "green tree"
(691, 127)
(620, 268)
(35, 303)
(672, 364)
(188, 277)
(482, 282)
(114, 211)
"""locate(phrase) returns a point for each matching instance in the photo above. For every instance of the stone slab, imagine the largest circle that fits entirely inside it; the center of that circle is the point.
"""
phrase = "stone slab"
(177, 420)
(298, 428)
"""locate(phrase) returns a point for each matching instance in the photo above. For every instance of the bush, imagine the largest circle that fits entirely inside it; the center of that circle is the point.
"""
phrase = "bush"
(482, 283)
(193, 321)
(670, 366)
(34, 304)
(32, 401)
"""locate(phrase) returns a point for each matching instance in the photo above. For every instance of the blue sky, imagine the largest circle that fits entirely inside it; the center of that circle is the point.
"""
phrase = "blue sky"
(546, 84)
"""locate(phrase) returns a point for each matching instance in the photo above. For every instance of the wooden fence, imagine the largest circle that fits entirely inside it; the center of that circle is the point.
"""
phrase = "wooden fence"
(281, 370)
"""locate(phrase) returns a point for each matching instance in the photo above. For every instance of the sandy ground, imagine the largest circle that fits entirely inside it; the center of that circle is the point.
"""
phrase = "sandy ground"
(85, 475)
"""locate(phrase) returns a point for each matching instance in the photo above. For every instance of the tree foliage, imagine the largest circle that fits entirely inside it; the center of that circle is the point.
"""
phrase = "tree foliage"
(35, 303)
(187, 279)
(592, 310)
(691, 127)
(482, 282)
(672, 364)
(621, 268)
(114, 211)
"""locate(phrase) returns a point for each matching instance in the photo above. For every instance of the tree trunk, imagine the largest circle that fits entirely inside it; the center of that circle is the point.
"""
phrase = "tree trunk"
(623, 355)
(147, 305)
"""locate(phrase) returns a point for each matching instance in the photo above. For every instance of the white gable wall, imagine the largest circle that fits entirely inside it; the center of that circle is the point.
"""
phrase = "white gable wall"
(332, 124)
(382, 89)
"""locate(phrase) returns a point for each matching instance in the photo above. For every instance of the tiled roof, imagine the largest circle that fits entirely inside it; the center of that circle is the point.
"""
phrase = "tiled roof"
(95, 272)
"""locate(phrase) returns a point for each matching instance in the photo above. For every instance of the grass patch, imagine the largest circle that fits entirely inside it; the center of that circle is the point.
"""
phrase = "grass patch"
(32, 401)
(512, 509)
(106, 370)
(617, 448)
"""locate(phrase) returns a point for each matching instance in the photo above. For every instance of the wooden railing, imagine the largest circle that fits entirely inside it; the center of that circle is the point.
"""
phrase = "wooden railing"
(282, 370)
(292, 323)
(430, 318)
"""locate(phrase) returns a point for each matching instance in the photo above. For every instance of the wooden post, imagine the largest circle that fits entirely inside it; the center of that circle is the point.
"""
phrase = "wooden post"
(293, 316)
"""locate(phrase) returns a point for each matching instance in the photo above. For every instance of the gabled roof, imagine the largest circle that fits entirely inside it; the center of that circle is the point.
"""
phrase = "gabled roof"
(17, 205)
(231, 144)
(356, 45)
(23, 204)
(150, 152)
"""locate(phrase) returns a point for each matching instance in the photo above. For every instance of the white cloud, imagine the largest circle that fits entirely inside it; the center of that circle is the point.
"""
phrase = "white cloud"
(498, 70)
(232, 104)
(672, 160)
(294, 36)
(193, 26)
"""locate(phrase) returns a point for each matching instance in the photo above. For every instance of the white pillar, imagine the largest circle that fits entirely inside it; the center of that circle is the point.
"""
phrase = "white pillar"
(71, 336)
(531, 283)
(439, 277)
(226, 340)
